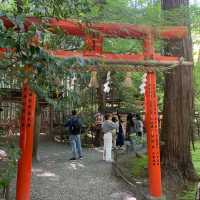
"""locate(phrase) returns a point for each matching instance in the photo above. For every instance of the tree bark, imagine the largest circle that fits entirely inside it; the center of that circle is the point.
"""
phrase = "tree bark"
(100, 93)
(19, 4)
(51, 120)
(178, 107)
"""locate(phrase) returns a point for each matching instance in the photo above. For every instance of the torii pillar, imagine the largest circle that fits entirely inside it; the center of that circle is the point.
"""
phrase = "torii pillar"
(26, 143)
(151, 122)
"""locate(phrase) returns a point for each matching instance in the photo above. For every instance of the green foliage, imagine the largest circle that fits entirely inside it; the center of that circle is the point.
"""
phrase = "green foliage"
(188, 194)
(122, 46)
(8, 169)
(195, 157)
(190, 191)
(47, 71)
(138, 140)
(195, 18)
(134, 12)
(196, 73)
(127, 95)
(48, 8)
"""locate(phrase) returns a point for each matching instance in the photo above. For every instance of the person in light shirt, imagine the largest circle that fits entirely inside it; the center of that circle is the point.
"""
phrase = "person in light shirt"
(108, 127)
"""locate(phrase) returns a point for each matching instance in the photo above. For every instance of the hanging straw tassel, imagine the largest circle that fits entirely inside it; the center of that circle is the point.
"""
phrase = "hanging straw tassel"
(93, 81)
(128, 80)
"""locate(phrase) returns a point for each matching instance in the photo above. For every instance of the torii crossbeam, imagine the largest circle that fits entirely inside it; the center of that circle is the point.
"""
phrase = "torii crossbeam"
(93, 35)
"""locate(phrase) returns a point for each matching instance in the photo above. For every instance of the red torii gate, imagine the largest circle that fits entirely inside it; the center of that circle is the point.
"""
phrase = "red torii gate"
(93, 35)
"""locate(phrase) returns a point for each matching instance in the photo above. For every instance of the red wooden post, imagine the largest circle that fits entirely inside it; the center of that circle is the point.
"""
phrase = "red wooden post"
(155, 185)
(151, 112)
(93, 44)
(147, 116)
(26, 143)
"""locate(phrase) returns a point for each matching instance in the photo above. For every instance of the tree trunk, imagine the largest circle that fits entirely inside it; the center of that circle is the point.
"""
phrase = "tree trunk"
(37, 133)
(178, 106)
(100, 99)
(100, 93)
(51, 120)
(19, 4)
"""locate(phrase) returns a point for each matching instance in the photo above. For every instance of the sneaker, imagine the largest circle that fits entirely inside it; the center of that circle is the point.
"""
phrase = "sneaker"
(80, 157)
(72, 158)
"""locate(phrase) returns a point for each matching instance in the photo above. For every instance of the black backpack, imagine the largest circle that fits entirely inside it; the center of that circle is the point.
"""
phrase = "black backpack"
(75, 126)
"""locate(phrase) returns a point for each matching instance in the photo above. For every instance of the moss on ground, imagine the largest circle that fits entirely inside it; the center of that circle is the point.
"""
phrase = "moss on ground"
(196, 157)
(139, 167)
(133, 167)
(190, 191)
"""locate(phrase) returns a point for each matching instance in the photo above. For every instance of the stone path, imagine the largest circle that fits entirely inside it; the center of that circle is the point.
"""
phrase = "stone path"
(57, 178)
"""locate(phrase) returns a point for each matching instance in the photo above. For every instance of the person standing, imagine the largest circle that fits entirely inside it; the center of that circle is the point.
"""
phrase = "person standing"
(74, 124)
(130, 124)
(115, 132)
(107, 127)
(139, 126)
(131, 130)
(98, 140)
(120, 134)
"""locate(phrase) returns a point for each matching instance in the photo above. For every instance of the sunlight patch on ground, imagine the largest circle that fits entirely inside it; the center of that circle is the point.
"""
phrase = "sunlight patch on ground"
(99, 149)
(51, 176)
(42, 173)
(123, 196)
(37, 170)
(130, 198)
(75, 166)
(47, 174)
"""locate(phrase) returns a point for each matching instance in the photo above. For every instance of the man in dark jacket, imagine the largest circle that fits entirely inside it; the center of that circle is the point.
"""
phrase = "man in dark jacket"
(74, 125)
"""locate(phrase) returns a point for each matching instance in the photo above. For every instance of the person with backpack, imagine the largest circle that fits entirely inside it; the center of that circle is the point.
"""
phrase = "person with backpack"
(74, 125)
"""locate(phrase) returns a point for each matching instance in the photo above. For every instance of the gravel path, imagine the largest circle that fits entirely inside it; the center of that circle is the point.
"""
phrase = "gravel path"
(57, 178)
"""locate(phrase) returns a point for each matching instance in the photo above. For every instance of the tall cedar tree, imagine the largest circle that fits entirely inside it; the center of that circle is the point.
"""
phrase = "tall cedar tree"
(178, 105)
